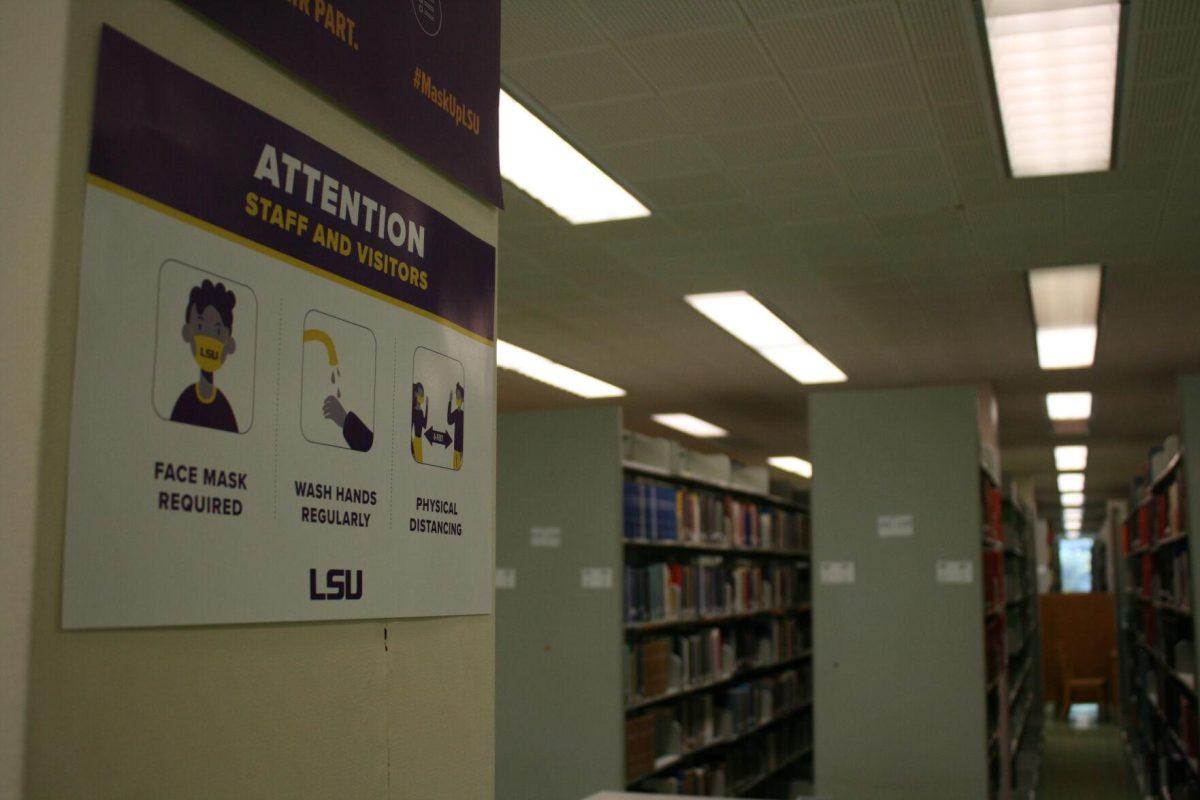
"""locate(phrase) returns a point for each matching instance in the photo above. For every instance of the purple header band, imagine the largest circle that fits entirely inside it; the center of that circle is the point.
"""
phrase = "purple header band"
(164, 133)
(426, 73)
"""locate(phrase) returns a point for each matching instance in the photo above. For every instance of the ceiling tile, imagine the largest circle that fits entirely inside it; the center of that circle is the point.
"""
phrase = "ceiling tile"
(952, 80)
(686, 190)
(895, 166)
(627, 20)
(563, 79)
(697, 59)
(1167, 54)
(742, 105)
(890, 131)
(817, 174)
(656, 158)
(536, 28)
(936, 26)
(841, 38)
(857, 90)
(598, 125)
(763, 144)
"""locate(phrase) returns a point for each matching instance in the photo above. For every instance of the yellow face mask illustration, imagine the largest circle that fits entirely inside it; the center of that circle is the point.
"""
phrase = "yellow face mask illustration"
(208, 352)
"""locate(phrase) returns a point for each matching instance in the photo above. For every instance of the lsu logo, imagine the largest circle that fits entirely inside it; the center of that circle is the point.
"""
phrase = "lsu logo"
(339, 585)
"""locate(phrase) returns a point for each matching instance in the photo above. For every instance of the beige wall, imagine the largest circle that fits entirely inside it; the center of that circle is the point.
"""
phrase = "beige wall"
(366, 709)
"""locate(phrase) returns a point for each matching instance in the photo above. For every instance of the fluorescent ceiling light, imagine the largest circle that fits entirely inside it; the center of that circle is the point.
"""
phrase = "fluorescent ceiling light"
(792, 464)
(531, 365)
(1069, 405)
(1073, 525)
(748, 320)
(1070, 482)
(1071, 499)
(1072, 514)
(1069, 457)
(539, 161)
(1066, 306)
(1072, 534)
(693, 426)
(1055, 68)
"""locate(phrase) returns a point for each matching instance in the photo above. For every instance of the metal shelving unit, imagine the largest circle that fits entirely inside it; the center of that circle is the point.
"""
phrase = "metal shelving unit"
(1157, 633)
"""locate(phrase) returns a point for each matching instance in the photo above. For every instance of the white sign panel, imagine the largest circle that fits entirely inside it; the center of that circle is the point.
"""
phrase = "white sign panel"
(284, 399)
(545, 536)
(949, 571)
(893, 526)
(596, 578)
(506, 577)
(837, 572)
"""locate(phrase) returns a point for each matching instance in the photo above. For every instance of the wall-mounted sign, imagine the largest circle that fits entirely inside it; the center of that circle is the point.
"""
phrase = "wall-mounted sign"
(284, 400)
(837, 572)
(952, 571)
(426, 73)
(890, 526)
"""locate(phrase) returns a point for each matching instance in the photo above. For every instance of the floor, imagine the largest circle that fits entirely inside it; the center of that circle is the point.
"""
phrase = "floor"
(1084, 759)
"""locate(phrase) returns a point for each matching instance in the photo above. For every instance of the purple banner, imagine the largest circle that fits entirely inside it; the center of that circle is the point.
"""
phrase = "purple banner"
(164, 133)
(426, 73)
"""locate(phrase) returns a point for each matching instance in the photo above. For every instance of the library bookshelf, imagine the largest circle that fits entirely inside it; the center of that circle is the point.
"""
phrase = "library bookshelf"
(659, 639)
(1012, 644)
(924, 603)
(717, 660)
(1158, 630)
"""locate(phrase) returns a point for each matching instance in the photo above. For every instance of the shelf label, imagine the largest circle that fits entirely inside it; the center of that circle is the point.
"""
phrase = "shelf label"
(506, 577)
(545, 537)
(949, 571)
(894, 525)
(596, 578)
(837, 572)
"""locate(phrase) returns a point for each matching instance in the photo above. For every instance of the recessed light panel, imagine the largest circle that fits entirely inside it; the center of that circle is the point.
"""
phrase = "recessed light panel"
(539, 161)
(1055, 69)
(1070, 482)
(1071, 499)
(1069, 405)
(540, 368)
(746, 319)
(792, 464)
(692, 426)
(1066, 308)
(1070, 457)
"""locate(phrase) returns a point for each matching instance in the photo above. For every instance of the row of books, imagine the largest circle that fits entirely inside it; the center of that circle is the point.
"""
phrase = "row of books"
(722, 715)
(1159, 519)
(993, 510)
(738, 768)
(709, 586)
(993, 577)
(663, 513)
(663, 665)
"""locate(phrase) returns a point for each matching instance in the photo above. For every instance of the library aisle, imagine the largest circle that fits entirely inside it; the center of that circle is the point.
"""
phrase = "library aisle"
(1084, 760)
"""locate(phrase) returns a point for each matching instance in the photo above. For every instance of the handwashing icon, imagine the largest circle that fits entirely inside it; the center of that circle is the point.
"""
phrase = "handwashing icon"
(356, 433)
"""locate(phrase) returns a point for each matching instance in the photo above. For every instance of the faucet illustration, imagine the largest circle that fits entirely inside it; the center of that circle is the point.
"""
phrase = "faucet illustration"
(356, 433)
(315, 335)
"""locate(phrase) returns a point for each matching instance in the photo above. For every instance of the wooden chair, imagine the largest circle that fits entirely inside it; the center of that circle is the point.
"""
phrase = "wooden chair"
(1072, 684)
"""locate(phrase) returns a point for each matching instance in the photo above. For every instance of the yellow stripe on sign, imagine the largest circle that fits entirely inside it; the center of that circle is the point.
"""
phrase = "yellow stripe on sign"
(163, 208)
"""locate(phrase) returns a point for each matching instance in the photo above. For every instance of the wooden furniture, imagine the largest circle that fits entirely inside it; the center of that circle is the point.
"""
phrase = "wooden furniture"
(1075, 687)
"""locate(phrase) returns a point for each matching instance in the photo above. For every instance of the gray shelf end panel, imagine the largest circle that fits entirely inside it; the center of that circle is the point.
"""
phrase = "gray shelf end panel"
(898, 655)
(559, 715)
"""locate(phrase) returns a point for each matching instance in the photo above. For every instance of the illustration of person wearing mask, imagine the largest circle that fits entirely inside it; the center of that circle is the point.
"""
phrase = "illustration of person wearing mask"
(208, 332)
(420, 419)
(454, 417)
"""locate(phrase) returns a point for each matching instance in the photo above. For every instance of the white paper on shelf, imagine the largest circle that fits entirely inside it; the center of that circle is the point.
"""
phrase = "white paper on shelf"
(596, 578)
(545, 536)
(894, 525)
(952, 571)
(837, 572)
